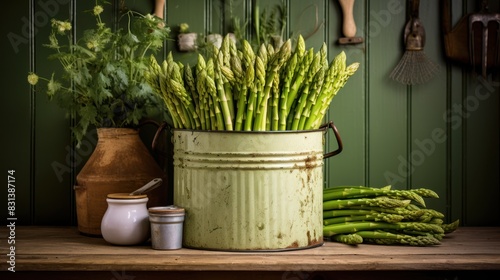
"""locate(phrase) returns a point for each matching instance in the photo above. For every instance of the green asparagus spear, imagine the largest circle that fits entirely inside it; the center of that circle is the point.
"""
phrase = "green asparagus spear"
(347, 192)
(451, 227)
(353, 227)
(383, 202)
(305, 90)
(349, 239)
(379, 217)
(274, 65)
(388, 238)
(246, 84)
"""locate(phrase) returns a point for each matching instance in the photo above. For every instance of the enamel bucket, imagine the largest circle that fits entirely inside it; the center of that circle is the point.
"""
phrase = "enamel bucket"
(251, 191)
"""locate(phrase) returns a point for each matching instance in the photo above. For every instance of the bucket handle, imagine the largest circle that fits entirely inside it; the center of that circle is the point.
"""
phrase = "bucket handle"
(159, 130)
(337, 137)
(325, 126)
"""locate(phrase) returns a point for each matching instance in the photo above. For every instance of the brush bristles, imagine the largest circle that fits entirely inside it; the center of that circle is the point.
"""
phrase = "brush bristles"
(414, 68)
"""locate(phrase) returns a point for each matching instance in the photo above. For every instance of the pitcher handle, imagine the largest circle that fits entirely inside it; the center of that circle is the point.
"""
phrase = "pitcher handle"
(337, 137)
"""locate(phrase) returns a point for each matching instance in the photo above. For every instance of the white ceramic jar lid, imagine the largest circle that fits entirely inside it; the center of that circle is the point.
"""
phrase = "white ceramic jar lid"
(126, 196)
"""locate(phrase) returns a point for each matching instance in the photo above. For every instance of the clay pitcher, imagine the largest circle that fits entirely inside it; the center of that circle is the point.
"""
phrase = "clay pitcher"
(120, 163)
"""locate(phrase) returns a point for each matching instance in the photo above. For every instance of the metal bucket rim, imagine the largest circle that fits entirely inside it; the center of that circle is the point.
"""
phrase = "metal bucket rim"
(250, 132)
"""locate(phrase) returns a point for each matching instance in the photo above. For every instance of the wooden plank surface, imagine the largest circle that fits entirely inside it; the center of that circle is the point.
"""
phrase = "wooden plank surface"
(64, 249)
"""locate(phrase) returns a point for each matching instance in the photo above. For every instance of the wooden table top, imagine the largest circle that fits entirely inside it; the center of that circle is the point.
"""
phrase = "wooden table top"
(64, 249)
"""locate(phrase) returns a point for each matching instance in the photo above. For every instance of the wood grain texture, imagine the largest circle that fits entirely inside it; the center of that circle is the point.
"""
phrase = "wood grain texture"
(378, 119)
(64, 249)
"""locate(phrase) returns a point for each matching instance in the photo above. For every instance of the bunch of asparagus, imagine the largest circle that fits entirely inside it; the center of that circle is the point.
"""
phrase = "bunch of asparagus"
(359, 214)
(235, 88)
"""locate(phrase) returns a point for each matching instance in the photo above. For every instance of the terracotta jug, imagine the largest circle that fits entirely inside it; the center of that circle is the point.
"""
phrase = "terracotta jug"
(120, 163)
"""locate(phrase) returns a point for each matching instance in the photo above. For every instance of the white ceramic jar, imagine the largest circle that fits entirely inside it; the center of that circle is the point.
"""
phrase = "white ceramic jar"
(126, 220)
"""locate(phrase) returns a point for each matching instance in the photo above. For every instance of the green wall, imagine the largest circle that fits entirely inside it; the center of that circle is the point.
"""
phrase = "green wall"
(442, 135)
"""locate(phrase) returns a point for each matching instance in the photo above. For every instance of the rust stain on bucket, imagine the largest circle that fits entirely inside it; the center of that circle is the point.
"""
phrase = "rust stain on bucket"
(310, 163)
(294, 245)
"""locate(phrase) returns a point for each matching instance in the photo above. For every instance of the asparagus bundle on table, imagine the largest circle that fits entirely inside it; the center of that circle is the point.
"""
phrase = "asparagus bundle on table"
(359, 214)
(242, 89)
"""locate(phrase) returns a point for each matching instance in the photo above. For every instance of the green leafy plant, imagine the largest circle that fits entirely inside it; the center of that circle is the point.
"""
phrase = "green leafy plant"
(103, 83)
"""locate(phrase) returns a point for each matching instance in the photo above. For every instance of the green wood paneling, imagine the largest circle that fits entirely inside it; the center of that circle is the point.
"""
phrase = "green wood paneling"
(348, 108)
(480, 105)
(387, 121)
(427, 102)
(52, 190)
(482, 178)
(307, 18)
(218, 20)
(16, 111)
(392, 133)
(455, 159)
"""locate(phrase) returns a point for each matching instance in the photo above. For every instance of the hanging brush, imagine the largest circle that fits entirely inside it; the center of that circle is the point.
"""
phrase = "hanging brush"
(414, 67)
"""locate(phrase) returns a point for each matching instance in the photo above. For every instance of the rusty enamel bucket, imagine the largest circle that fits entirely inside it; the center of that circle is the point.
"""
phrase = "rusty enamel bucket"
(251, 191)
